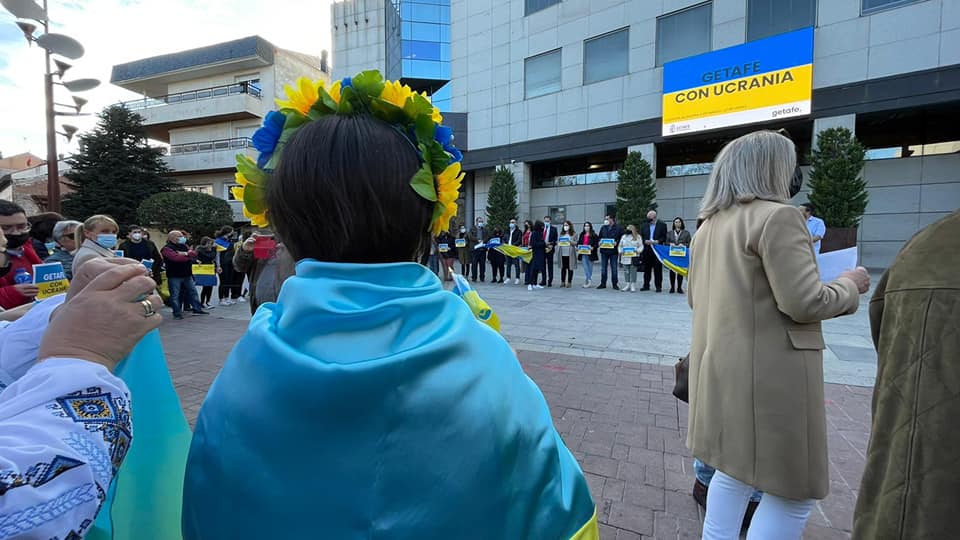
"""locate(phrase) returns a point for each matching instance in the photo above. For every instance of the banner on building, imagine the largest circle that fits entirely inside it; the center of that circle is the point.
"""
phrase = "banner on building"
(759, 81)
(50, 279)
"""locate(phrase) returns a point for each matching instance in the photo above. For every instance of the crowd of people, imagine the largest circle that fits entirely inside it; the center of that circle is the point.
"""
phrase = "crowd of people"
(629, 250)
(364, 368)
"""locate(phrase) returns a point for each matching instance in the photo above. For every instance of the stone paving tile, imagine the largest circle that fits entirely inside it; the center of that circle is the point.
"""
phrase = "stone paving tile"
(617, 417)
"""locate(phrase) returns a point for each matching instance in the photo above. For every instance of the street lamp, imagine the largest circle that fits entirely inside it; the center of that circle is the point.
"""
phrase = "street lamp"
(61, 45)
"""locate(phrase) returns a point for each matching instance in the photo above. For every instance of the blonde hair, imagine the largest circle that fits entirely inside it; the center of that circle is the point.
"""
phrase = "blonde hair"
(756, 166)
(92, 222)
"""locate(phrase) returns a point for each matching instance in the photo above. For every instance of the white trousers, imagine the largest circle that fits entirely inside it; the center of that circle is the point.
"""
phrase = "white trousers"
(776, 518)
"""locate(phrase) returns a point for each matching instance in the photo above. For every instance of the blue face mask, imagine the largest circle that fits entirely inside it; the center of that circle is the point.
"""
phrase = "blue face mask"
(50, 246)
(182, 240)
(108, 241)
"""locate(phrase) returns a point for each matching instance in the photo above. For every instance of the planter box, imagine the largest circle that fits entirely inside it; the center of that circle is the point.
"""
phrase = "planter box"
(836, 239)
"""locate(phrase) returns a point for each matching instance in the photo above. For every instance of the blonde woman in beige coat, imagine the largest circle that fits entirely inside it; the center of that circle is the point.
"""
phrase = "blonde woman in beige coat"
(756, 365)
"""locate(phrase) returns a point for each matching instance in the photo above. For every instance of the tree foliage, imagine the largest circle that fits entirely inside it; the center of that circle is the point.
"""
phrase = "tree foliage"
(198, 213)
(837, 188)
(502, 199)
(636, 190)
(115, 169)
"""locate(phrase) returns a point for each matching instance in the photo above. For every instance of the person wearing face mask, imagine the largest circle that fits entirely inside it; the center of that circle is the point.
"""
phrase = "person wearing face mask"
(497, 259)
(550, 237)
(568, 254)
(41, 232)
(464, 244)
(587, 241)
(539, 247)
(610, 235)
(513, 237)
(677, 237)
(231, 279)
(97, 237)
(448, 254)
(19, 254)
(64, 233)
(178, 260)
(480, 235)
(525, 242)
(138, 247)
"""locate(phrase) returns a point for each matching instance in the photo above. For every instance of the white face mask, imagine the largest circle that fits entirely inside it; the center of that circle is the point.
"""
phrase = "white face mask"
(513, 225)
(606, 222)
(479, 224)
(463, 229)
(136, 237)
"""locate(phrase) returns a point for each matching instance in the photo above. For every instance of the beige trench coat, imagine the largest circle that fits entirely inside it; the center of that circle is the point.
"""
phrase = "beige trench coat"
(756, 363)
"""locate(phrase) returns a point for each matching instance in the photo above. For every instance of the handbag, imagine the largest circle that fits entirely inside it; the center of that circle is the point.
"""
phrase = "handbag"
(681, 370)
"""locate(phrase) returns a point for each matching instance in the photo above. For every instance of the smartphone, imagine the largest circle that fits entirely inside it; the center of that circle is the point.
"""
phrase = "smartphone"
(264, 247)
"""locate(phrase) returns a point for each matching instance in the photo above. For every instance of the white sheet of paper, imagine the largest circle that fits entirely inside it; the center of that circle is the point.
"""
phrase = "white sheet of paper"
(837, 262)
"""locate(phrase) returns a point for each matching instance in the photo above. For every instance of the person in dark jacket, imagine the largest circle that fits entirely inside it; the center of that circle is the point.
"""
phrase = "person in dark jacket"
(448, 254)
(911, 485)
(178, 260)
(207, 254)
(537, 264)
(41, 233)
(480, 234)
(138, 247)
(497, 259)
(609, 241)
(678, 236)
(550, 236)
(587, 240)
(231, 280)
(266, 276)
(513, 237)
(63, 235)
(654, 233)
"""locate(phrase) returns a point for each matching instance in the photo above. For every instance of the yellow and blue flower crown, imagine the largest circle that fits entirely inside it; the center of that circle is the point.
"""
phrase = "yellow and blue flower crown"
(438, 179)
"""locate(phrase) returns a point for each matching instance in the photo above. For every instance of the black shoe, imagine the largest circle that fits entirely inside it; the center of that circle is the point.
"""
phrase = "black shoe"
(700, 494)
(550, 284)
(616, 287)
(201, 312)
(602, 286)
(646, 288)
(659, 290)
(680, 291)
(672, 290)
(178, 317)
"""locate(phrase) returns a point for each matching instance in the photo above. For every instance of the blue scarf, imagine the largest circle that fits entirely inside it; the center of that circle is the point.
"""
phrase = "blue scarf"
(369, 403)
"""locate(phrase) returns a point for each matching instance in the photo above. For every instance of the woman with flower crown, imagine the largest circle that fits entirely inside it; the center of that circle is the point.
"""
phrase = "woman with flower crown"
(368, 402)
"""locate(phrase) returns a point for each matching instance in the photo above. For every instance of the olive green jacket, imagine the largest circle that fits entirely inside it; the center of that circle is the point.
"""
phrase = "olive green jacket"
(911, 485)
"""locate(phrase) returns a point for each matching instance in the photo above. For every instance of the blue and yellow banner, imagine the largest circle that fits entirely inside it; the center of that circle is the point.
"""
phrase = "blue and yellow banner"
(525, 254)
(676, 258)
(222, 244)
(50, 279)
(205, 275)
(759, 81)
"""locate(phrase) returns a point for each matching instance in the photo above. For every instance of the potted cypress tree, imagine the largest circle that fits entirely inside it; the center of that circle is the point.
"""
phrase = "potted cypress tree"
(837, 187)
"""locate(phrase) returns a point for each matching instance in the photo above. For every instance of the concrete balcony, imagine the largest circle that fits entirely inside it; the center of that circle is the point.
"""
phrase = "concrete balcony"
(241, 101)
(208, 156)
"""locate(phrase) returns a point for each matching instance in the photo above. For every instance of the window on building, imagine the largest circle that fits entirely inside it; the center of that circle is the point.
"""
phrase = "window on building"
(541, 74)
(557, 215)
(606, 57)
(870, 6)
(580, 170)
(921, 131)
(534, 6)
(229, 192)
(200, 188)
(684, 33)
(767, 18)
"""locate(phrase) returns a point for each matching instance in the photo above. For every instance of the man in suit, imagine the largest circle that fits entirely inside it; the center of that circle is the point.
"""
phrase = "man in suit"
(513, 237)
(653, 233)
(550, 237)
(481, 235)
(608, 255)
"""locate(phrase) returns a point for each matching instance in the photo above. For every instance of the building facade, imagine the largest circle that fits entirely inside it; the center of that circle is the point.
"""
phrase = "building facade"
(206, 104)
(561, 90)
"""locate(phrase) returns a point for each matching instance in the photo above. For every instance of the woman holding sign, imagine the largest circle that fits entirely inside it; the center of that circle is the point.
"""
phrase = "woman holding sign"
(678, 237)
(448, 254)
(587, 251)
(629, 248)
(568, 254)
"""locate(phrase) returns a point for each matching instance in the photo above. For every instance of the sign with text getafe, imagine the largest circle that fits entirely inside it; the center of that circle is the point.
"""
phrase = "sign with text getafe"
(763, 80)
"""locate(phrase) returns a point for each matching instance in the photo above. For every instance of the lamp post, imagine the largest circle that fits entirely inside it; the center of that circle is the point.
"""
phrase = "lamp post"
(52, 44)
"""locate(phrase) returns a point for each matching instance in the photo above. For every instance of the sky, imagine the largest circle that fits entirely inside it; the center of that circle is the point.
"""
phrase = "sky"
(118, 31)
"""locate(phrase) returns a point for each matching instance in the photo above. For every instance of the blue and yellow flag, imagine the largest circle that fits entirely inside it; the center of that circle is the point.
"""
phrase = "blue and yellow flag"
(222, 244)
(370, 403)
(480, 308)
(205, 275)
(516, 251)
(676, 258)
(144, 498)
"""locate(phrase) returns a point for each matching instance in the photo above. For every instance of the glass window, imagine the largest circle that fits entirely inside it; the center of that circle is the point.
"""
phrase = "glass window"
(421, 50)
(870, 6)
(202, 188)
(534, 6)
(229, 191)
(423, 69)
(771, 17)
(424, 31)
(425, 13)
(684, 33)
(541, 74)
(606, 57)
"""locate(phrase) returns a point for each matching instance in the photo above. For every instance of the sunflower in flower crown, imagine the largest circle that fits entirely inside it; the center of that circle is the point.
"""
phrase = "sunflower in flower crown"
(438, 180)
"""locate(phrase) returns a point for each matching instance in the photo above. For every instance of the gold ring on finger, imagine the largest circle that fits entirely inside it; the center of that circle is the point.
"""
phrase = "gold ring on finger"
(148, 310)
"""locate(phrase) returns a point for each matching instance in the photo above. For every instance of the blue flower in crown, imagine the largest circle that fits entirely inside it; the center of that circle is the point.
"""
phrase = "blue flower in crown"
(266, 138)
(444, 136)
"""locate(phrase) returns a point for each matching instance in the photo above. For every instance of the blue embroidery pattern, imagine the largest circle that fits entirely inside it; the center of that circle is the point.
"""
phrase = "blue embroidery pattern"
(99, 412)
(38, 514)
(78, 534)
(97, 459)
(38, 475)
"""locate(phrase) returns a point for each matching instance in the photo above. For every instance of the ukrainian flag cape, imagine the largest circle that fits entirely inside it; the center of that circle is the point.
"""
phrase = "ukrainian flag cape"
(368, 403)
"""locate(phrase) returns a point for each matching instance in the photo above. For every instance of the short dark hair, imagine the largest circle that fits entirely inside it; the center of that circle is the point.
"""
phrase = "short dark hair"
(41, 225)
(810, 207)
(8, 208)
(342, 193)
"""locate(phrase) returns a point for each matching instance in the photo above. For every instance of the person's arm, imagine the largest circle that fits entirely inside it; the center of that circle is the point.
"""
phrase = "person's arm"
(175, 256)
(20, 341)
(10, 297)
(242, 260)
(819, 230)
(791, 270)
(41, 430)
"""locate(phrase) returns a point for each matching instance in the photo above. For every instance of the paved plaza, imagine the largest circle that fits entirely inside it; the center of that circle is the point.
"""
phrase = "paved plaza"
(604, 360)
